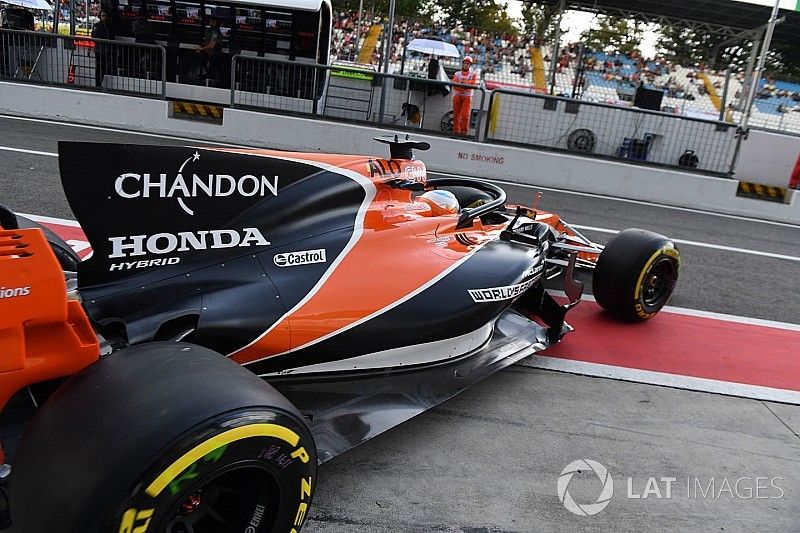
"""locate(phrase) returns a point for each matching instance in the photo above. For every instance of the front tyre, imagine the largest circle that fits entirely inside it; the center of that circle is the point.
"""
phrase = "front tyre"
(164, 438)
(636, 274)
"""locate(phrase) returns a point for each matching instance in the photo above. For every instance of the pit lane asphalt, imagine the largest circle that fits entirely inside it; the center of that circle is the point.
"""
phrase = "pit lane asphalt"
(488, 460)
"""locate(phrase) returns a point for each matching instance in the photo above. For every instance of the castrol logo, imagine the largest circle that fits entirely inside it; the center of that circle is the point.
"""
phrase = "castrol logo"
(305, 257)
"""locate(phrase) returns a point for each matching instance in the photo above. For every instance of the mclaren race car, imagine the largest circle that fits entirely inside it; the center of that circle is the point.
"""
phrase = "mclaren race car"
(248, 314)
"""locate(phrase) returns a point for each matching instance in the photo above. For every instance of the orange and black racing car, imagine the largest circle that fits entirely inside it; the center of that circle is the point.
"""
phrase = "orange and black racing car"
(248, 314)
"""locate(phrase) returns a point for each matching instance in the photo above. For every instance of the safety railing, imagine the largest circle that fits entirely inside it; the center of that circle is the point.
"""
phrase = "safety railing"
(595, 129)
(780, 112)
(354, 95)
(83, 63)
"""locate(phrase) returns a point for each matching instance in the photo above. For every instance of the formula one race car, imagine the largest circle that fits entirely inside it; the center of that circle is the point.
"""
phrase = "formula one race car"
(353, 293)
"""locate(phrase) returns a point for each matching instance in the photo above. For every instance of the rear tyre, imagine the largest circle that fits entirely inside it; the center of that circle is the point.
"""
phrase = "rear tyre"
(636, 274)
(164, 438)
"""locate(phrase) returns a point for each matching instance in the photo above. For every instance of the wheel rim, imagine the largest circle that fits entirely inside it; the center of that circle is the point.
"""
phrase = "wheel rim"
(581, 140)
(447, 122)
(232, 500)
(658, 283)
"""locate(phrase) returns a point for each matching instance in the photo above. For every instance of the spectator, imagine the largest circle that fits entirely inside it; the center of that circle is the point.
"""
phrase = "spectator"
(209, 51)
(729, 113)
(103, 52)
(149, 60)
(142, 30)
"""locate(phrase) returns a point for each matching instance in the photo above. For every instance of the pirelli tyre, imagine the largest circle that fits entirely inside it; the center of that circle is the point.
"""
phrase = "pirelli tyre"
(636, 274)
(164, 438)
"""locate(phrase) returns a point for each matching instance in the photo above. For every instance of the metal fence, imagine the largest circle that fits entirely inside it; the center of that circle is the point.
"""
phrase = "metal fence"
(594, 129)
(356, 95)
(83, 63)
(780, 113)
(349, 94)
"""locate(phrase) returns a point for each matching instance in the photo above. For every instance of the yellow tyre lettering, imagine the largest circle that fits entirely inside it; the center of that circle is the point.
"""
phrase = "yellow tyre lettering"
(642, 313)
(128, 520)
(305, 488)
(223, 439)
(668, 250)
(673, 253)
(134, 521)
(301, 453)
(301, 513)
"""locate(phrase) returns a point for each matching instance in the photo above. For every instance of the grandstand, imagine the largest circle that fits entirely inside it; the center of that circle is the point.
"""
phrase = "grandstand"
(345, 43)
(512, 61)
(501, 60)
(777, 105)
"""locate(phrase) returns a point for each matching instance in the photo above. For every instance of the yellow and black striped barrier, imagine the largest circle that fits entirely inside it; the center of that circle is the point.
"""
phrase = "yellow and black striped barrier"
(193, 110)
(762, 192)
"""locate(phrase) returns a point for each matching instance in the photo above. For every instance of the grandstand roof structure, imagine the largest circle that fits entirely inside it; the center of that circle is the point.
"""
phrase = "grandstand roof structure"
(728, 17)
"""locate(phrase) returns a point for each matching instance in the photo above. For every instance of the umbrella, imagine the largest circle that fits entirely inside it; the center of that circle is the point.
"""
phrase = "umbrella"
(433, 47)
(30, 4)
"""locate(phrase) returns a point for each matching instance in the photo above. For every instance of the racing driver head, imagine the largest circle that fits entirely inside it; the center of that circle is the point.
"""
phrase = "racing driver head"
(441, 202)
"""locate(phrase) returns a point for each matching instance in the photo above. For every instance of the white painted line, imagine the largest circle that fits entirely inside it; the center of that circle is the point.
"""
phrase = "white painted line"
(661, 378)
(637, 202)
(52, 220)
(595, 228)
(738, 250)
(25, 151)
(702, 244)
(126, 132)
(732, 318)
(705, 314)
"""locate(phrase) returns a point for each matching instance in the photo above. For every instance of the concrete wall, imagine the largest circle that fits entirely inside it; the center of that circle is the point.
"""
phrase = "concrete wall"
(528, 166)
(768, 158)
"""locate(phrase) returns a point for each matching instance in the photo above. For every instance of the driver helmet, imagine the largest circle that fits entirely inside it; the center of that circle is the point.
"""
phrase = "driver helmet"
(441, 202)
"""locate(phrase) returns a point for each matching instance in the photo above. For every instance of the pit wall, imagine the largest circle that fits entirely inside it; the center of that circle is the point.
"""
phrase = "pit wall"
(519, 165)
(768, 158)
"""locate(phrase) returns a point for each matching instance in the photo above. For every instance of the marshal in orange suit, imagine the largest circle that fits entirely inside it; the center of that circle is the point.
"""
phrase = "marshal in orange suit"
(462, 96)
